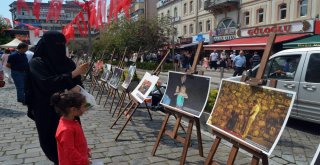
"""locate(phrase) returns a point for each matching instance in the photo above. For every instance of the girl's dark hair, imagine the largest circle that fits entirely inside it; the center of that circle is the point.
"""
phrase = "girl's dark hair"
(65, 100)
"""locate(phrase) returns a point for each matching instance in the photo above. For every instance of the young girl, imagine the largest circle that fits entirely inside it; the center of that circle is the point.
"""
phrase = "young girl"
(71, 142)
(205, 63)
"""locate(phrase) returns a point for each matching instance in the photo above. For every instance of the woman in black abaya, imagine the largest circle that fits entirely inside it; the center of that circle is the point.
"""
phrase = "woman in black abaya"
(51, 71)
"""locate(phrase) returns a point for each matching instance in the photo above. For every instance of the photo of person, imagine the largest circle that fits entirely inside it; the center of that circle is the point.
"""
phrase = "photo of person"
(145, 86)
(186, 93)
(116, 77)
(250, 114)
(128, 79)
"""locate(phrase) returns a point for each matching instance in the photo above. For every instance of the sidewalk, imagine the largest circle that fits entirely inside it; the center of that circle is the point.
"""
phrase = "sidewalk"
(19, 139)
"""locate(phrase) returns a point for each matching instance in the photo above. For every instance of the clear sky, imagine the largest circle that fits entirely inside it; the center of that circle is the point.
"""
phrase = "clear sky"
(4, 7)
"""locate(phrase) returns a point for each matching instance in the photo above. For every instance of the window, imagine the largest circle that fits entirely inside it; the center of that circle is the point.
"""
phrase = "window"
(191, 28)
(260, 15)
(168, 13)
(191, 6)
(303, 7)
(246, 18)
(200, 4)
(184, 29)
(162, 15)
(200, 26)
(313, 68)
(283, 67)
(282, 11)
(175, 12)
(208, 25)
(185, 8)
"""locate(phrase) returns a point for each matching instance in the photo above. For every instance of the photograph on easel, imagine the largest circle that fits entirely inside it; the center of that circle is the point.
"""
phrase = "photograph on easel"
(145, 86)
(186, 93)
(116, 77)
(251, 114)
(128, 79)
(107, 73)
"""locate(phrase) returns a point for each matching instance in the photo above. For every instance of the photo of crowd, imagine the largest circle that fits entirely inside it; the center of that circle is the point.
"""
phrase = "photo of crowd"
(255, 115)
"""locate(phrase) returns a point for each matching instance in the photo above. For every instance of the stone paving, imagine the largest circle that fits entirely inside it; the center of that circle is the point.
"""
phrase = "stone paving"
(19, 141)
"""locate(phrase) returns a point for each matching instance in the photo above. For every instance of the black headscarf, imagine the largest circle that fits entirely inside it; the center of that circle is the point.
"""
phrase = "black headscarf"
(52, 49)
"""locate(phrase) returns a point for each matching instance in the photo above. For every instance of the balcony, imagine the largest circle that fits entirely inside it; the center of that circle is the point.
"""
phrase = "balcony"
(219, 6)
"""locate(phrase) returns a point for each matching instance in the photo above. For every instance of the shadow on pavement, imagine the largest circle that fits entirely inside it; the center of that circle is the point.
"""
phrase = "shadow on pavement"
(11, 113)
(304, 126)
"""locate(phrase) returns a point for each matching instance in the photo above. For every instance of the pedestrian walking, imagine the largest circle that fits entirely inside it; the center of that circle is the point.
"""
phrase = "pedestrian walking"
(223, 64)
(6, 70)
(51, 71)
(71, 141)
(239, 64)
(205, 63)
(213, 60)
(18, 63)
(255, 59)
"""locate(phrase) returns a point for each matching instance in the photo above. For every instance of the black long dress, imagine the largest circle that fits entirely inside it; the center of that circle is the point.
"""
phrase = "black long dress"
(50, 72)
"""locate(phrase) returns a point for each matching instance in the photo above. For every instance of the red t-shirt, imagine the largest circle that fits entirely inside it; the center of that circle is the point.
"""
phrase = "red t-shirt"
(72, 145)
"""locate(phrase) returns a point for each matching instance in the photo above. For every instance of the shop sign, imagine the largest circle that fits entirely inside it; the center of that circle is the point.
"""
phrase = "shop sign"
(308, 45)
(202, 37)
(225, 31)
(306, 26)
(223, 38)
(186, 40)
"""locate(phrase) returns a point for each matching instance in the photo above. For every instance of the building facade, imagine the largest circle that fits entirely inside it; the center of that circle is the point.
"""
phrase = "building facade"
(189, 19)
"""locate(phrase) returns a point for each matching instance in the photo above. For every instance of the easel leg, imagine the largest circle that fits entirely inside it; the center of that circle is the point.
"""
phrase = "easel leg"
(187, 142)
(213, 150)
(148, 109)
(101, 94)
(233, 154)
(255, 160)
(114, 123)
(119, 102)
(124, 98)
(184, 131)
(114, 96)
(162, 130)
(265, 160)
(109, 92)
(199, 137)
(125, 124)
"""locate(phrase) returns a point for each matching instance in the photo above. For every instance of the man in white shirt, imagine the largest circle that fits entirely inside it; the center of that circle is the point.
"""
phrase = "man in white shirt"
(213, 60)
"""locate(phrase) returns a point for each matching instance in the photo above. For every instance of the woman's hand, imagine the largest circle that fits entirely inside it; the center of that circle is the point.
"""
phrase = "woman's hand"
(81, 69)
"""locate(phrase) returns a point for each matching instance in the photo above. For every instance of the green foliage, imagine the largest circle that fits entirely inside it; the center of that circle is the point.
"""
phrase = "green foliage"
(146, 35)
(125, 74)
(211, 100)
(4, 38)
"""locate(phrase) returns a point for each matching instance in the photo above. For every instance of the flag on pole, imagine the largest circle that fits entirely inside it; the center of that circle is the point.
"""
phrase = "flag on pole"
(54, 10)
(36, 8)
(22, 4)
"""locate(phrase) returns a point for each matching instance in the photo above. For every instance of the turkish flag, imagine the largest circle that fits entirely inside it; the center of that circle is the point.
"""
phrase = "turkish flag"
(68, 32)
(54, 9)
(36, 32)
(99, 14)
(22, 4)
(36, 8)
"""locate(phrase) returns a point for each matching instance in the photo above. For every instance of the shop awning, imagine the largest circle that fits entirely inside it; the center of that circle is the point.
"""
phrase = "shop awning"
(312, 41)
(253, 43)
(187, 45)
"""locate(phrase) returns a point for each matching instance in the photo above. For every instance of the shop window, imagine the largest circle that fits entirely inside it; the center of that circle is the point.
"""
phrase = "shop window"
(283, 67)
(175, 12)
(246, 18)
(283, 11)
(191, 6)
(303, 7)
(200, 4)
(184, 29)
(200, 26)
(191, 28)
(185, 8)
(313, 68)
(260, 15)
(208, 25)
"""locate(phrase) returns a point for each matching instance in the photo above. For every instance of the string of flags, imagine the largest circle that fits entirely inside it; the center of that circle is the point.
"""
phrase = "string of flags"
(95, 9)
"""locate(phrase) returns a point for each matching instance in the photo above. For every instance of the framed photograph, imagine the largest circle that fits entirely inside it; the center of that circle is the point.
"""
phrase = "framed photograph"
(116, 77)
(128, 79)
(107, 67)
(141, 92)
(186, 93)
(250, 114)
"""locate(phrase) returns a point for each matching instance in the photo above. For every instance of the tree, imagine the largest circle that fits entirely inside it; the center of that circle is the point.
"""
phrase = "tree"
(4, 38)
(148, 35)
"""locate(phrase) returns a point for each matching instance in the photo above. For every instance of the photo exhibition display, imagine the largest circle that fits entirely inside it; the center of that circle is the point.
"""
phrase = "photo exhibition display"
(146, 85)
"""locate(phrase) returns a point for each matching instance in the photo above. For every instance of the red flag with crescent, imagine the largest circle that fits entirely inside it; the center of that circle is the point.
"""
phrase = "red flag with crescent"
(36, 8)
(68, 32)
(54, 9)
(22, 4)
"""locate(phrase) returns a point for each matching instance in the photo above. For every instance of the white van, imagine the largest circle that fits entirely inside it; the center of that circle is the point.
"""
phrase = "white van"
(296, 70)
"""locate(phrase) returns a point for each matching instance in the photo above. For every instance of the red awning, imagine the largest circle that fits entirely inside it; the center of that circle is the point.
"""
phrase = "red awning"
(253, 43)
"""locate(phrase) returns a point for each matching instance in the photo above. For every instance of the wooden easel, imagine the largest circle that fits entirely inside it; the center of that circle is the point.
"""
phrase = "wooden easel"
(114, 91)
(257, 155)
(133, 104)
(104, 85)
(173, 134)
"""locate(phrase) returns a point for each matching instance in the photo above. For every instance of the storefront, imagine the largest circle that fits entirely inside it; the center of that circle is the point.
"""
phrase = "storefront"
(256, 38)
(225, 31)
